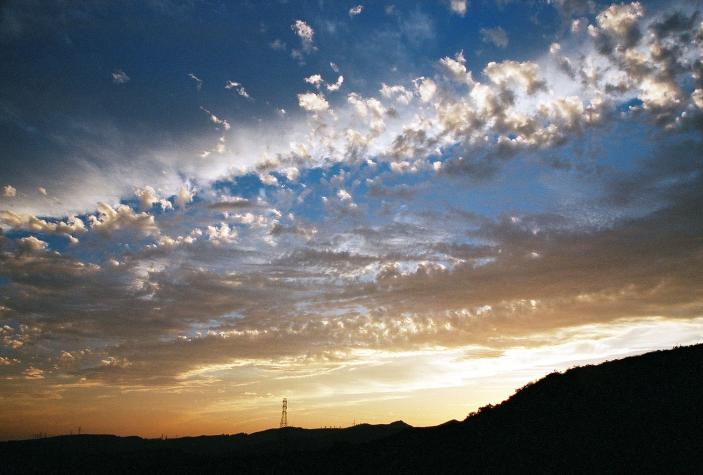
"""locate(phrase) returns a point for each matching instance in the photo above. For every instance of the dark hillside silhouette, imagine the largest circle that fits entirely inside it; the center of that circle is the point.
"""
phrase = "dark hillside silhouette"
(642, 414)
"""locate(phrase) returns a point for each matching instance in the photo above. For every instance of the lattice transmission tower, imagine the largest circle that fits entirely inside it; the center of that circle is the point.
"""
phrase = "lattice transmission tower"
(284, 414)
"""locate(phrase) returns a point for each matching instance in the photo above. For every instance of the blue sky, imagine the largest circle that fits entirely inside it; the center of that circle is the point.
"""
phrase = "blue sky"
(388, 202)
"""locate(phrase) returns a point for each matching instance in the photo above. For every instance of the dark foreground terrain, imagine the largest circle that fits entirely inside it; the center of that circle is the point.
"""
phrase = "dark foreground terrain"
(636, 415)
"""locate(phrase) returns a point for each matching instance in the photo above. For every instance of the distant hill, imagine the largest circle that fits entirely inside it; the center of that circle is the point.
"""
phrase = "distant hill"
(642, 414)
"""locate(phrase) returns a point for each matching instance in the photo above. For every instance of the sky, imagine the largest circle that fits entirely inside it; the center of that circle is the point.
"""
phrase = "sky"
(382, 210)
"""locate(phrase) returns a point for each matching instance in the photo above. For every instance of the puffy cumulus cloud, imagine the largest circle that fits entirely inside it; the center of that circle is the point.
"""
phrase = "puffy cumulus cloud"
(456, 68)
(459, 6)
(305, 33)
(313, 102)
(399, 93)
(356, 10)
(292, 173)
(71, 225)
(147, 197)
(171, 243)
(31, 244)
(620, 23)
(6, 361)
(496, 36)
(33, 373)
(526, 74)
(336, 85)
(697, 98)
(425, 88)
(268, 179)
(370, 110)
(659, 94)
(315, 80)
(221, 233)
(184, 196)
(344, 195)
(109, 219)
(9, 191)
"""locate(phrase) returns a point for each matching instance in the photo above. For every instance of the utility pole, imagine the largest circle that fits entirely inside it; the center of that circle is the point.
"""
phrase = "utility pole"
(284, 414)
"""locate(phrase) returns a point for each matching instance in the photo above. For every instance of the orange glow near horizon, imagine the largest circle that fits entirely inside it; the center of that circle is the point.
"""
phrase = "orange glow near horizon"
(422, 388)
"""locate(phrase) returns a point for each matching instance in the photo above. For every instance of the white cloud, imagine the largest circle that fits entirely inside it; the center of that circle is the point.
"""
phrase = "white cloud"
(426, 88)
(32, 244)
(34, 224)
(497, 36)
(456, 67)
(292, 173)
(525, 74)
(216, 120)
(313, 102)
(147, 197)
(238, 88)
(221, 233)
(315, 80)
(344, 195)
(356, 10)
(305, 33)
(120, 77)
(399, 93)
(198, 81)
(458, 6)
(9, 191)
(184, 196)
(108, 220)
(335, 87)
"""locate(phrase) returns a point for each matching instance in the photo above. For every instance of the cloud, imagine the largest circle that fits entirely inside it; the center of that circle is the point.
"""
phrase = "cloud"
(496, 36)
(9, 191)
(278, 45)
(110, 219)
(198, 81)
(336, 85)
(306, 35)
(120, 77)
(147, 197)
(184, 196)
(31, 244)
(216, 120)
(356, 10)
(315, 80)
(456, 67)
(17, 221)
(313, 102)
(398, 92)
(376, 229)
(458, 6)
(33, 373)
(525, 74)
(426, 88)
(238, 88)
